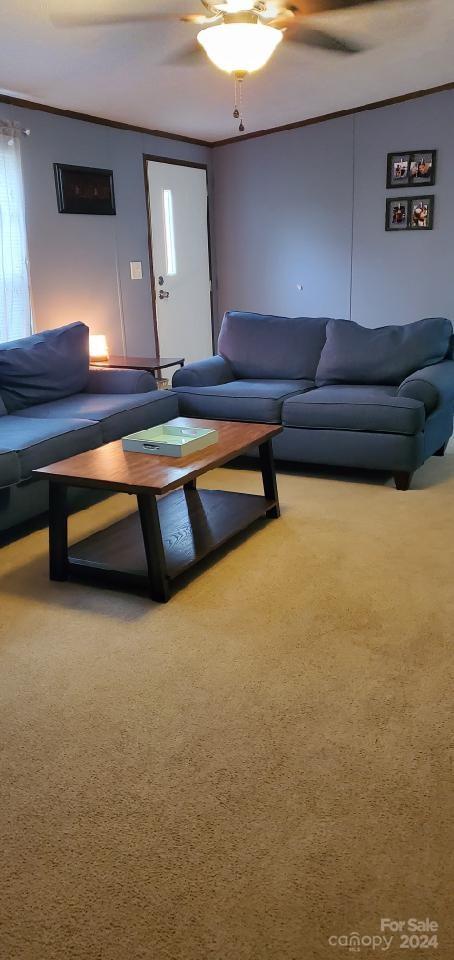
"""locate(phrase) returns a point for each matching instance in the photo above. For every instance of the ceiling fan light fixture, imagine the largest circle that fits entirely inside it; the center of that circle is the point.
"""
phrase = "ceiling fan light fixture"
(239, 47)
(236, 6)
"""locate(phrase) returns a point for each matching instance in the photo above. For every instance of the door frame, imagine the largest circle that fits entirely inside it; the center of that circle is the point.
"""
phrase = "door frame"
(179, 163)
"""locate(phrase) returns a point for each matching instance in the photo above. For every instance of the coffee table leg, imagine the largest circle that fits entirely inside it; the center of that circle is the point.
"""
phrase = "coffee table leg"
(58, 532)
(154, 550)
(269, 477)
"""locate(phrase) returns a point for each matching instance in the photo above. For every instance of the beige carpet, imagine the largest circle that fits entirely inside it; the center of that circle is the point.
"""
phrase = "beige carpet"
(262, 764)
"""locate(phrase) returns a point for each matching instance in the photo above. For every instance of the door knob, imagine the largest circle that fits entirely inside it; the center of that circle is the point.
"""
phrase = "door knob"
(163, 294)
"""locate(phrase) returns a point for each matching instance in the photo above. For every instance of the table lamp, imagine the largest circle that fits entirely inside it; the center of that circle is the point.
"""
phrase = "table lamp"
(99, 351)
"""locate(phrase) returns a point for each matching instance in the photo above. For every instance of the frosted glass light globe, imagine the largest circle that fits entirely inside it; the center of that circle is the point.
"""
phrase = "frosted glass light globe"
(239, 47)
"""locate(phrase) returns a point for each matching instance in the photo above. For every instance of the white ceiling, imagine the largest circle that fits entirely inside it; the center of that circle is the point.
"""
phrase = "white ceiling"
(118, 72)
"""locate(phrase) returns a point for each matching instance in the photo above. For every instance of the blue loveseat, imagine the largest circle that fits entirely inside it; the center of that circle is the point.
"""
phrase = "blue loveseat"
(53, 405)
(346, 395)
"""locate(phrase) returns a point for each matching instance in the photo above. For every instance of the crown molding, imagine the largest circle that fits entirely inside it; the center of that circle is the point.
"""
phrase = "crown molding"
(212, 144)
(375, 105)
(102, 121)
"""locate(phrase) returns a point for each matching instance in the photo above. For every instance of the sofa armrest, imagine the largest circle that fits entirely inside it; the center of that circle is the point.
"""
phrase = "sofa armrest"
(106, 380)
(433, 385)
(204, 373)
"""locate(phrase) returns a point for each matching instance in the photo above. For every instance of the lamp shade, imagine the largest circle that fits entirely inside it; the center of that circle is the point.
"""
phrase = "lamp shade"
(98, 347)
(239, 47)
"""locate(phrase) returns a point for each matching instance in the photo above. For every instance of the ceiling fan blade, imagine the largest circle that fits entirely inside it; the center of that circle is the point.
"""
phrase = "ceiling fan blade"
(322, 40)
(190, 56)
(198, 18)
(293, 12)
(304, 8)
(70, 18)
(81, 13)
(282, 20)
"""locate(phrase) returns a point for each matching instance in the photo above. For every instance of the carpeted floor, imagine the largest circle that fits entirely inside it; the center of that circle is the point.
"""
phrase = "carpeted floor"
(262, 764)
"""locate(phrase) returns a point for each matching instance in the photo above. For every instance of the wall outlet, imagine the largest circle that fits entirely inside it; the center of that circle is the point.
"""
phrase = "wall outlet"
(136, 269)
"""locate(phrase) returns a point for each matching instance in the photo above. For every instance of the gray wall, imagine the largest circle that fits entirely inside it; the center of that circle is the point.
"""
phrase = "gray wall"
(399, 277)
(282, 219)
(307, 206)
(79, 265)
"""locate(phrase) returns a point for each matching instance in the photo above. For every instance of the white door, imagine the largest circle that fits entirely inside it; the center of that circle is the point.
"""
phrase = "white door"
(179, 238)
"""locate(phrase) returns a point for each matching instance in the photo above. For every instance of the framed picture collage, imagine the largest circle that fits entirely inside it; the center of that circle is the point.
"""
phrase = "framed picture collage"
(411, 169)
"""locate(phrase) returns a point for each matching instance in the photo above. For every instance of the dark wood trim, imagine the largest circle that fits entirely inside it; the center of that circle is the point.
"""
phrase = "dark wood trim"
(154, 311)
(375, 105)
(210, 267)
(119, 125)
(102, 121)
(178, 163)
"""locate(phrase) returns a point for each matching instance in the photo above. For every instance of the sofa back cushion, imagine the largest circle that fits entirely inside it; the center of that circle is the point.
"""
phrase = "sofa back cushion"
(381, 355)
(46, 366)
(274, 348)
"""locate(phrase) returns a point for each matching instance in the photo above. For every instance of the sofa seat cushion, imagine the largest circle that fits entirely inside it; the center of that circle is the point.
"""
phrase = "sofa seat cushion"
(9, 467)
(39, 442)
(256, 401)
(117, 414)
(374, 409)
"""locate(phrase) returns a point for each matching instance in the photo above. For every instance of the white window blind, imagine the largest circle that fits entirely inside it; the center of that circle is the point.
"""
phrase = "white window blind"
(15, 309)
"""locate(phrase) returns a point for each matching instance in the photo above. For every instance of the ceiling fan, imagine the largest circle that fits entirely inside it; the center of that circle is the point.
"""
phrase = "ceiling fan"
(238, 36)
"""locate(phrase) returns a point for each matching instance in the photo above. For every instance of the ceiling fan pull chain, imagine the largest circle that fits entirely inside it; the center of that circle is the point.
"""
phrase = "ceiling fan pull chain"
(241, 125)
(236, 112)
(238, 108)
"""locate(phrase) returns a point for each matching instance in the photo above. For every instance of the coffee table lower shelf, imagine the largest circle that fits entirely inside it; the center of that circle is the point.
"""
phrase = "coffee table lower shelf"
(193, 523)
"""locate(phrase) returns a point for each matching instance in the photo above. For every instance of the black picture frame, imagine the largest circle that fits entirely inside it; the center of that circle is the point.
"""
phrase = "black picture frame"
(422, 223)
(408, 159)
(84, 190)
(390, 223)
(407, 220)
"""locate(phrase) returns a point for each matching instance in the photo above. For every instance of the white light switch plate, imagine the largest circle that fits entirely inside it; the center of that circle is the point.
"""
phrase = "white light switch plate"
(136, 269)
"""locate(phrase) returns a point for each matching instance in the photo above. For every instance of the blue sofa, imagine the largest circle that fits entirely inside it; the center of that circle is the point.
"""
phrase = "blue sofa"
(53, 405)
(381, 399)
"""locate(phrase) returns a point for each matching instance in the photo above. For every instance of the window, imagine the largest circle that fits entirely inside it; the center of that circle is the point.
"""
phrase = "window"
(169, 233)
(15, 310)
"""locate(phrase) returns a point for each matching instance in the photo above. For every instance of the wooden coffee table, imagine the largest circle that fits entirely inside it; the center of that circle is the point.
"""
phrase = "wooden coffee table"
(166, 536)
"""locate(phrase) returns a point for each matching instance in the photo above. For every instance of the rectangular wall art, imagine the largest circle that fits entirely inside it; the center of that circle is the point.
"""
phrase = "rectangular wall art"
(84, 190)
(411, 169)
(410, 213)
